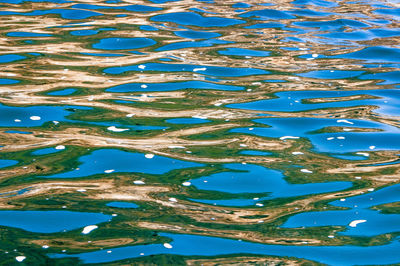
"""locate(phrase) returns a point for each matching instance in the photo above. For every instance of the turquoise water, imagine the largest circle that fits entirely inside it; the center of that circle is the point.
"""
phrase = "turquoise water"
(168, 132)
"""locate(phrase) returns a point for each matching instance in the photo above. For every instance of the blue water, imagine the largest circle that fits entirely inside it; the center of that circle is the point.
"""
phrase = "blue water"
(50, 221)
(8, 81)
(376, 222)
(382, 196)
(121, 161)
(256, 153)
(257, 179)
(83, 32)
(17, 132)
(383, 136)
(293, 101)
(7, 58)
(63, 92)
(194, 19)
(46, 113)
(27, 34)
(300, 134)
(206, 246)
(7, 163)
(188, 44)
(45, 151)
(123, 43)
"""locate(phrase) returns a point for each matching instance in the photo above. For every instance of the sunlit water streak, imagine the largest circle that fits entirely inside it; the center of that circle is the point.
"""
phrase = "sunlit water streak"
(188, 132)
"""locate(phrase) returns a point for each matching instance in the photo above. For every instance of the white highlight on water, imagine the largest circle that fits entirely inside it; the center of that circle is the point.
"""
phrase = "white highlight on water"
(356, 222)
(306, 171)
(20, 258)
(176, 147)
(35, 117)
(186, 184)
(87, 229)
(109, 171)
(288, 137)
(115, 129)
(345, 121)
(167, 245)
(149, 155)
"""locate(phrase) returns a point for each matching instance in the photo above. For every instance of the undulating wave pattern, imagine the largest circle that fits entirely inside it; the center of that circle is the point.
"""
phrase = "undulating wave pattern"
(171, 132)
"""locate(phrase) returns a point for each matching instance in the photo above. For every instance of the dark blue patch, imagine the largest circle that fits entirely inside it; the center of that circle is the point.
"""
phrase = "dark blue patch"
(122, 205)
(241, 5)
(123, 43)
(17, 132)
(8, 81)
(191, 18)
(63, 92)
(331, 74)
(83, 32)
(267, 14)
(7, 58)
(7, 163)
(148, 28)
(27, 34)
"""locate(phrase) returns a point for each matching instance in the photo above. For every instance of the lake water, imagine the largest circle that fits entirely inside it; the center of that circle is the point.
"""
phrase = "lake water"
(167, 132)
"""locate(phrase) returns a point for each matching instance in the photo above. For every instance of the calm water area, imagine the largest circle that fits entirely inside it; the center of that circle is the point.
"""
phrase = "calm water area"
(199, 132)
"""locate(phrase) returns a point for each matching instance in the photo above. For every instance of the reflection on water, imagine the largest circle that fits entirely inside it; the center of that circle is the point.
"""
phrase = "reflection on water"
(176, 132)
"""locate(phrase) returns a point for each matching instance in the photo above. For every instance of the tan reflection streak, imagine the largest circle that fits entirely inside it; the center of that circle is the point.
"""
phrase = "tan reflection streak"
(67, 243)
(44, 188)
(244, 235)
(21, 99)
(352, 169)
(75, 137)
(247, 260)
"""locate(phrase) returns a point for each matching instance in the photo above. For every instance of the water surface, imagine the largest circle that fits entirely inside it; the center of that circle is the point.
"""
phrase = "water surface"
(173, 132)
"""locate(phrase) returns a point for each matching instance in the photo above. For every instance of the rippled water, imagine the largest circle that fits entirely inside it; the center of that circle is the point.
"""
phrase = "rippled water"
(199, 132)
